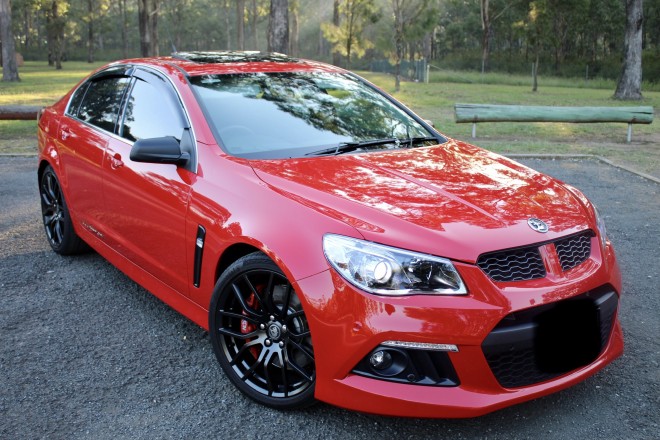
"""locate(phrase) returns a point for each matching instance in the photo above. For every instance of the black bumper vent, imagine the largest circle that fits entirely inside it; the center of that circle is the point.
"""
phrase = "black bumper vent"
(541, 343)
(574, 250)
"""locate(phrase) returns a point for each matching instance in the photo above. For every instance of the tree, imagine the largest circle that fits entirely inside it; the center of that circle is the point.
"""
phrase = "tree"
(90, 31)
(486, 31)
(406, 12)
(335, 22)
(294, 9)
(278, 26)
(55, 24)
(240, 24)
(347, 38)
(148, 24)
(630, 82)
(9, 68)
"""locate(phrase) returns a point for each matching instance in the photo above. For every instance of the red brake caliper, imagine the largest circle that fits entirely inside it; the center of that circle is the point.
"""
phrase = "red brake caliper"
(247, 327)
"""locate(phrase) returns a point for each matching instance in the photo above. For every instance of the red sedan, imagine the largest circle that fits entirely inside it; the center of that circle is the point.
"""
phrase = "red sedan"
(335, 245)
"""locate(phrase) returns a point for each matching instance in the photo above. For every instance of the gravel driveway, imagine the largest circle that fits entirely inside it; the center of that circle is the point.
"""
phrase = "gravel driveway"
(86, 353)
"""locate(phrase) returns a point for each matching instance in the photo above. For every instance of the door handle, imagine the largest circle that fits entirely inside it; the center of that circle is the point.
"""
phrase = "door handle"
(65, 133)
(115, 161)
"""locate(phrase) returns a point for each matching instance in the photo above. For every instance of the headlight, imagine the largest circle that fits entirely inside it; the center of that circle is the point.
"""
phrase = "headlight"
(386, 270)
(600, 223)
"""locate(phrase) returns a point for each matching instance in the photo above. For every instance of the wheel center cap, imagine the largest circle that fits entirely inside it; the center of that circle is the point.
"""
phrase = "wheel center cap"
(275, 331)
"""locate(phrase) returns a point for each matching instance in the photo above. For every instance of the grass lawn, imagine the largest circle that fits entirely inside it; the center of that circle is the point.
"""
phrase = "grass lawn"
(435, 101)
(42, 85)
(39, 85)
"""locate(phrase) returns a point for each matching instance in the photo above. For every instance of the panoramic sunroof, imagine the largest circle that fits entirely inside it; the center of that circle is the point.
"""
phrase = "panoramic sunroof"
(233, 57)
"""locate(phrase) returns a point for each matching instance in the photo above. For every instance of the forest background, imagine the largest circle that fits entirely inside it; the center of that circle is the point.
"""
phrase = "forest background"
(478, 51)
(570, 38)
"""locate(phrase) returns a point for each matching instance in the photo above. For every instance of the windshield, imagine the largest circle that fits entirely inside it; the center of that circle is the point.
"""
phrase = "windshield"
(293, 114)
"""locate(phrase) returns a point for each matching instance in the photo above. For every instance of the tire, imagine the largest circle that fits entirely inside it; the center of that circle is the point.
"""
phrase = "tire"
(55, 215)
(260, 334)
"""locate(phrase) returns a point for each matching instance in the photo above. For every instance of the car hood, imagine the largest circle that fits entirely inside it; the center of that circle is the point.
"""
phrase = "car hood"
(453, 200)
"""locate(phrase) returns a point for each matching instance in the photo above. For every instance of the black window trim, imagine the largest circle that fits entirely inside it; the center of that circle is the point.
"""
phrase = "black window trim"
(130, 71)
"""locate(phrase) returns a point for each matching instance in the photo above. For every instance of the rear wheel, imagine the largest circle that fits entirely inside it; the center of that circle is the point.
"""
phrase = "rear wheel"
(260, 334)
(55, 214)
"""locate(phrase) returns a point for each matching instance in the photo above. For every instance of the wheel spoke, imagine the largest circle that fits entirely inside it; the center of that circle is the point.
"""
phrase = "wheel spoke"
(263, 357)
(252, 289)
(234, 334)
(58, 231)
(285, 381)
(51, 186)
(295, 314)
(244, 305)
(301, 334)
(302, 348)
(49, 219)
(238, 316)
(269, 381)
(298, 369)
(242, 351)
(287, 301)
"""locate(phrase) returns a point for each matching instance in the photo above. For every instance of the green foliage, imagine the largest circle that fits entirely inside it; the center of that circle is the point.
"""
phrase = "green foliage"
(347, 38)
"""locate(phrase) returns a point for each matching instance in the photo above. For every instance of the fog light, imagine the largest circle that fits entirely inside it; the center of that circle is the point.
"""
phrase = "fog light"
(380, 359)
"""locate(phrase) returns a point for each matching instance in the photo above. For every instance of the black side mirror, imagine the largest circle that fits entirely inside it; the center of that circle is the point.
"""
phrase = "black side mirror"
(159, 150)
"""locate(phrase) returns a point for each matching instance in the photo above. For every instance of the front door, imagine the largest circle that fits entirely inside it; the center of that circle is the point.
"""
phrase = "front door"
(145, 203)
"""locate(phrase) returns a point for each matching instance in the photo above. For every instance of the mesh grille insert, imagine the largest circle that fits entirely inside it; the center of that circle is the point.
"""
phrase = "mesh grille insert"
(574, 250)
(514, 265)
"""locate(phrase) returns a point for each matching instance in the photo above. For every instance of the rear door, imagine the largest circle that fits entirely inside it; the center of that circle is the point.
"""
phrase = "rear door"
(146, 203)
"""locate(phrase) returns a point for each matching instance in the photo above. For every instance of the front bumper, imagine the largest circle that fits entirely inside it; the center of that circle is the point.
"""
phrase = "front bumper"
(348, 324)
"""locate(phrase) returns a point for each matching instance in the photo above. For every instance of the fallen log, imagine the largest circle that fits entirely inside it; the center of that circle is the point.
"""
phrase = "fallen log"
(19, 112)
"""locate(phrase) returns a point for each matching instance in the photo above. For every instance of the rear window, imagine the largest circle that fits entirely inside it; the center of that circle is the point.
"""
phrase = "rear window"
(102, 102)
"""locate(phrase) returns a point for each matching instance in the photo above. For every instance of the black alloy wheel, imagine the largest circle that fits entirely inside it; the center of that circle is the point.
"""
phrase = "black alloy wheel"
(55, 214)
(260, 334)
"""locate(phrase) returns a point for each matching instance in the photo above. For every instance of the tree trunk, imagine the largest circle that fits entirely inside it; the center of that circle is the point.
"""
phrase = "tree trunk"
(293, 49)
(148, 24)
(54, 34)
(124, 28)
(335, 20)
(397, 7)
(226, 8)
(630, 82)
(9, 68)
(240, 24)
(278, 26)
(255, 21)
(485, 36)
(90, 31)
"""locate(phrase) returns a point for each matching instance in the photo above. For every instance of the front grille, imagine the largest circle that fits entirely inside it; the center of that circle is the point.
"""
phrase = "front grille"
(514, 265)
(574, 250)
(541, 343)
(523, 264)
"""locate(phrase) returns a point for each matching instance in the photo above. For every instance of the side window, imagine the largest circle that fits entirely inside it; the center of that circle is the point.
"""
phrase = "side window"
(102, 102)
(76, 99)
(151, 112)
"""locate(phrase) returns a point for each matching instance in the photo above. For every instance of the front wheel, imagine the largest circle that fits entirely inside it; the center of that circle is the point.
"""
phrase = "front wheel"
(260, 334)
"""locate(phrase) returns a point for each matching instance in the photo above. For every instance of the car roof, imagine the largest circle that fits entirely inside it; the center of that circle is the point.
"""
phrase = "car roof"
(227, 62)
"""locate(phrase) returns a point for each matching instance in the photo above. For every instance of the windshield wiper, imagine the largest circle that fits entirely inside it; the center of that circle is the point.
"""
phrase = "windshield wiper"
(346, 147)
(416, 140)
